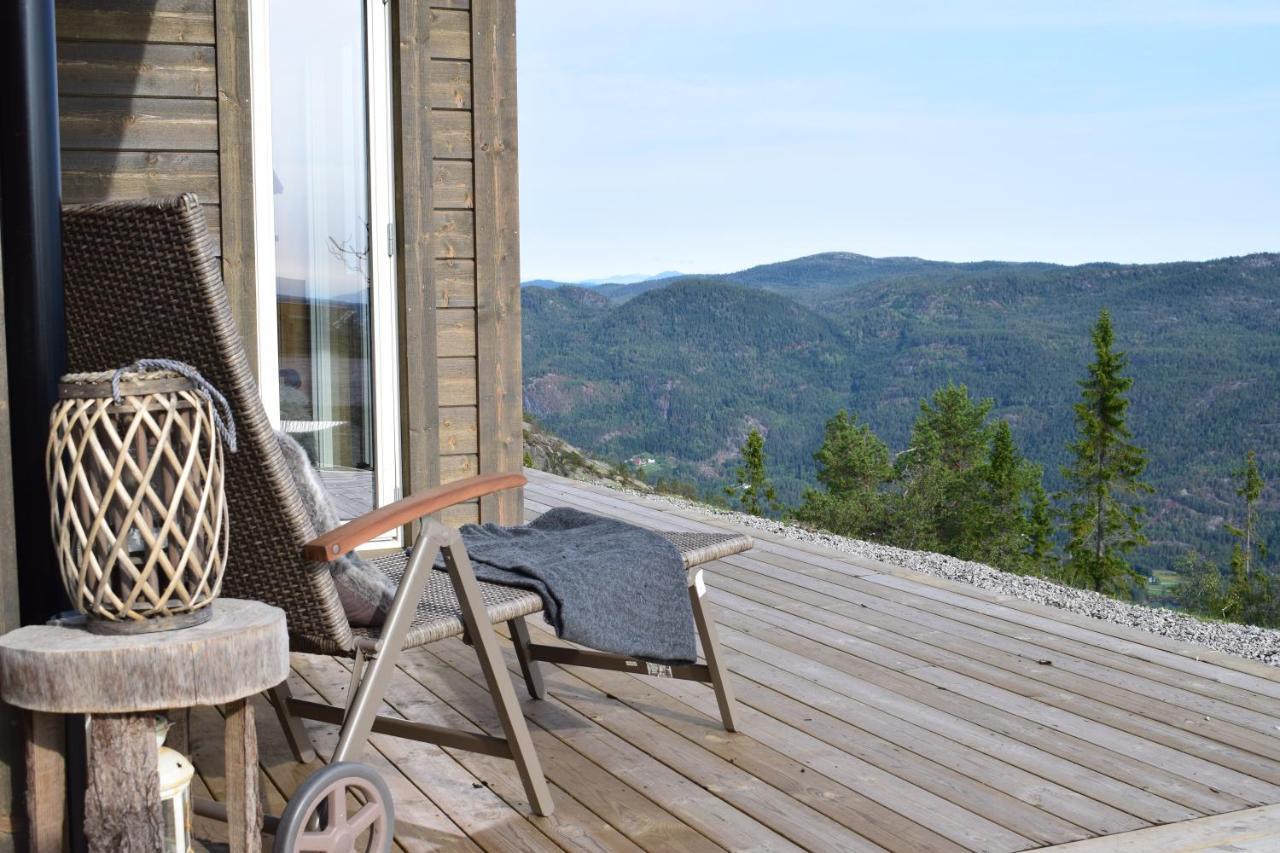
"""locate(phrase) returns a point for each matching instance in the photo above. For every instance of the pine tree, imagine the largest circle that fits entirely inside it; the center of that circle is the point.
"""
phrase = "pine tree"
(853, 466)
(851, 459)
(1103, 522)
(754, 492)
(951, 430)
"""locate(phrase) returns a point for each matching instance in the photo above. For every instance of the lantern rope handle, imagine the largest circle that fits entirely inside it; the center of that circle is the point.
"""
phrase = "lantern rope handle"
(223, 418)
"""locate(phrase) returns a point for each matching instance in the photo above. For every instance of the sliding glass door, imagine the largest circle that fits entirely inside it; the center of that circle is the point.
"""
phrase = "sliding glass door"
(331, 205)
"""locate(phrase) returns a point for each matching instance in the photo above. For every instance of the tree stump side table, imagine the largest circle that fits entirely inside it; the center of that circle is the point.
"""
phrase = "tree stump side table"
(122, 681)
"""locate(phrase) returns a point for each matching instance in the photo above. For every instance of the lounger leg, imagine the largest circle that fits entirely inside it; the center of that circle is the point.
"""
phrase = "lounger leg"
(357, 672)
(711, 651)
(528, 666)
(294, 731)
(485, 641)
(363, 707)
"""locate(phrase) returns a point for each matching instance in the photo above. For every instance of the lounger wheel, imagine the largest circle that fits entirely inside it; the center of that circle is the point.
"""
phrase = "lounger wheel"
(318, 818)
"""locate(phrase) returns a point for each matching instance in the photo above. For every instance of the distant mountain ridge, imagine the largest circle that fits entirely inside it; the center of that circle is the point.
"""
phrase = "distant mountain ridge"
(636, 278)
(682, 368)
(813, 277)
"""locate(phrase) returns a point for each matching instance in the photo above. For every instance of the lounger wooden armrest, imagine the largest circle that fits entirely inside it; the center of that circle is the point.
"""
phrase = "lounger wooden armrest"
(347, 537)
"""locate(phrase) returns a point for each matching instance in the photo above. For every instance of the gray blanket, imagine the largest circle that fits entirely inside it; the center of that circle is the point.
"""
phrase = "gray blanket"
(604, 583)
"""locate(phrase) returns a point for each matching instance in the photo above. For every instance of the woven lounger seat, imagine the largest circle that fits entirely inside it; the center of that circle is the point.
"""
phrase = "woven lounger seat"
(439, 614)
(698, 548)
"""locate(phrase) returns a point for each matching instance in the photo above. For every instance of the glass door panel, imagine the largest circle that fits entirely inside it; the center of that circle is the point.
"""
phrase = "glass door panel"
(327, 262)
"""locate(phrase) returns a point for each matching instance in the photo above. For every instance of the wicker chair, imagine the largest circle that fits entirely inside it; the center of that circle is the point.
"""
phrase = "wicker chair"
(142, 280)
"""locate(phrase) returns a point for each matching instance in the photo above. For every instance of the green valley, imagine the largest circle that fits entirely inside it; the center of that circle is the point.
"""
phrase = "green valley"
(682, 369)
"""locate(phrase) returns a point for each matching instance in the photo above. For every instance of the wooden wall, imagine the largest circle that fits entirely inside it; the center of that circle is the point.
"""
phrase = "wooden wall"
(137, 81)
(151, 92)
(155, 100)
(12, 756)
(459, 233)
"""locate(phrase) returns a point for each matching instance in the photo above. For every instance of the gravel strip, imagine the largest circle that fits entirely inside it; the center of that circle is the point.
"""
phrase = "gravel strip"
(1247, 641)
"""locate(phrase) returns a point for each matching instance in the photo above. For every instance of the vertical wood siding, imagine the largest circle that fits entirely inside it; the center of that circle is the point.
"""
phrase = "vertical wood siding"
(235, 168)
(497, 249)
(421, 386)
(453, 257)
(459, 230)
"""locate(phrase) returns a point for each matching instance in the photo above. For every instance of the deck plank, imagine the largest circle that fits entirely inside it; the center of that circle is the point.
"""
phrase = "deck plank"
(1235, 730)
(1028, 754)
(420, 823)
(487, 819)
(850, 614)
(572, 826)
(779, 769)
(945, 670)
(1103, 634)
(1251, 831)
(718, 819)
(832, 667)
(954, 822)
(1113, 667)
(789, 817)
(641, 820)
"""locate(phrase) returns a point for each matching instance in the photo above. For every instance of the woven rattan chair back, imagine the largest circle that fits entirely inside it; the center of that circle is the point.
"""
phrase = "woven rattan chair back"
(142, 281)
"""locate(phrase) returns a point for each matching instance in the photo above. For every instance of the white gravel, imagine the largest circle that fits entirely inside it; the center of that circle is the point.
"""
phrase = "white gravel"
(1246, 641)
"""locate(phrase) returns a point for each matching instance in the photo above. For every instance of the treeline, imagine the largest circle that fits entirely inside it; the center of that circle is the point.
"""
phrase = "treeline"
(963, 487)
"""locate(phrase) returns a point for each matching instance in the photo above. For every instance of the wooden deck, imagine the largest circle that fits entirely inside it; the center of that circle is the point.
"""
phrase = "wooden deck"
(880, 710)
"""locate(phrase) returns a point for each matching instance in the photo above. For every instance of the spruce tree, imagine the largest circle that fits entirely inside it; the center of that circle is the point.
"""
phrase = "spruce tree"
(1251, 486)
(853, 466)
(1000, 525)
(1040, 557)
(1103, 522)
(1249, 597)
(941, 472)
(754, 492)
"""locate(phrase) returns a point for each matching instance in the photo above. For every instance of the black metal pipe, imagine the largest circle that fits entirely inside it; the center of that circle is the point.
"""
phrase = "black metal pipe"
(35, 332)
(30, 215)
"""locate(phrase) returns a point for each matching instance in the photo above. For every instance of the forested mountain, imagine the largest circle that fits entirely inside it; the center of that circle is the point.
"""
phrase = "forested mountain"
(681, 369)
(684, 372)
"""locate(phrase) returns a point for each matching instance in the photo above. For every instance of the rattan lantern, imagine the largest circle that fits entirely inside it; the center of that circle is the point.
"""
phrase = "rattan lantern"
(135, 470)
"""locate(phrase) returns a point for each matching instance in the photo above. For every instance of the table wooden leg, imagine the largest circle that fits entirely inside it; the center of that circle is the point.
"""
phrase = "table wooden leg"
(179, 737)
(46, 782)
(244, 809)
(122, 811)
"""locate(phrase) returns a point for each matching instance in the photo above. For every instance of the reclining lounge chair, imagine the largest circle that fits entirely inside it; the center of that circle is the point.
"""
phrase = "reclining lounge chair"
(142, 281)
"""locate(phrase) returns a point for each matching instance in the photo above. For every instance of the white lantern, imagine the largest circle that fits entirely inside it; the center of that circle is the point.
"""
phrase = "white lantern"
(176, 774)
(175, 800)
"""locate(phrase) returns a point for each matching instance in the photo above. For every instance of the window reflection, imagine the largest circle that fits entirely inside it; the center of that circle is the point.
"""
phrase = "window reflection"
(320, 155)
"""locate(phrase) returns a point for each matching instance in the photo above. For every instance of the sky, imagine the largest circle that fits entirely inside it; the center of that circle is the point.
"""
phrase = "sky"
(712, 135)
